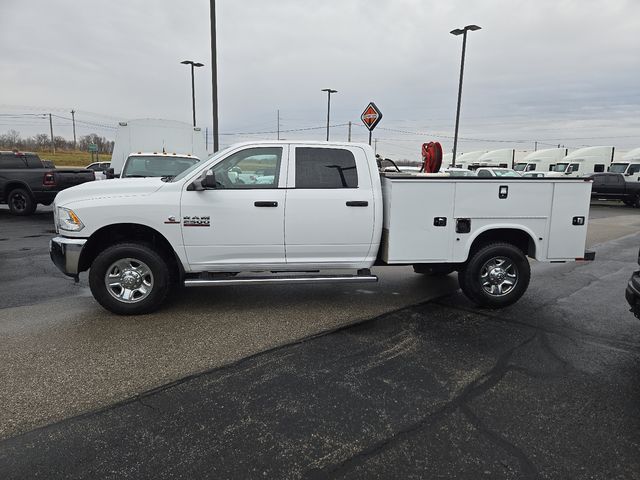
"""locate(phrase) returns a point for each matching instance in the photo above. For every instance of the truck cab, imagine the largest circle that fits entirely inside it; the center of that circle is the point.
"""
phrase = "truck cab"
(628, 165)
(585, 161)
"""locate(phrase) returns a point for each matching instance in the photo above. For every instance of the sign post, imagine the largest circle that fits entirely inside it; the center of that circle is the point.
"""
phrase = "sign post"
(93, 149)
(371, 118)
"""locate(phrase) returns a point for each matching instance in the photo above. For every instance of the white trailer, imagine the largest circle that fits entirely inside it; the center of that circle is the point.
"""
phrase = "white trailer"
(466, 159)
(156, 136)
(541, 160)
(628, 165)
(585, 161)
(502, 158)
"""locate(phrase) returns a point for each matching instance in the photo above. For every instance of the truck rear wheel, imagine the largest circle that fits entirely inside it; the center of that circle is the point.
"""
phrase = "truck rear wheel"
(497, 275)
(129, 279)
(21, 202)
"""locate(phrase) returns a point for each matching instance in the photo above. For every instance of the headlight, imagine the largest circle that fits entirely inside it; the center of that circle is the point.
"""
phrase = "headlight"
(68, 220)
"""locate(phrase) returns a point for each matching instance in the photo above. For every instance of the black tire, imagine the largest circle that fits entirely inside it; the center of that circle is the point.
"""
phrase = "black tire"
(21, 202)
(133, 265)
(497, 275)
(433, 270)
(636, 201)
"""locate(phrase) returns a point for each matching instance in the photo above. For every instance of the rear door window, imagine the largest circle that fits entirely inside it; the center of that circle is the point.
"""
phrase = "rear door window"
(11, 161)
(325, 168)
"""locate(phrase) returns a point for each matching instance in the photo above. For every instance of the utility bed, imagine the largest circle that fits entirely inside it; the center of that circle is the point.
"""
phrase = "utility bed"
(435, 219)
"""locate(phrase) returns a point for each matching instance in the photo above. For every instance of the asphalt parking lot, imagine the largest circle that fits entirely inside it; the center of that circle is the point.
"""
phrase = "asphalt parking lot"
(405, 379)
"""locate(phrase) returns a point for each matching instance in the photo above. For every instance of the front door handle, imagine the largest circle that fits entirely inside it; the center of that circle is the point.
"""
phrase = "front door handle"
(355, 203)
(265, 204)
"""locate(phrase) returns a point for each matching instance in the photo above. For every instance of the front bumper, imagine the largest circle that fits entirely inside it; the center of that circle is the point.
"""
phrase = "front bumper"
(633, 293)
(65, 253)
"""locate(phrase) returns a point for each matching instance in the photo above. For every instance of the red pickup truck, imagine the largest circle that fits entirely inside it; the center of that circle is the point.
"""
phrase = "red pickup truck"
(25, 181)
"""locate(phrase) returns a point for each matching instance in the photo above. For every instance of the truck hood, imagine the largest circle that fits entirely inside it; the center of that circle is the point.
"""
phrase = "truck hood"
(122, 187)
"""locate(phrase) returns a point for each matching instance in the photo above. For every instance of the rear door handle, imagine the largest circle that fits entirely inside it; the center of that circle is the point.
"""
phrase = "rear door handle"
(355, 203)
(265, 204)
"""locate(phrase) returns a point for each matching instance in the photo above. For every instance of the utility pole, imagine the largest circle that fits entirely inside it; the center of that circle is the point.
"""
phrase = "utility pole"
(535, 148)
(214, 74)
(73, 120)
(53, 145)
(349, 138)
(206, 138)
(278, 124)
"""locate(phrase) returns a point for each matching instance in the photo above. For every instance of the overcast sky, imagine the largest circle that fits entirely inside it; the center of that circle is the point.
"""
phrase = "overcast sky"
(556, 71)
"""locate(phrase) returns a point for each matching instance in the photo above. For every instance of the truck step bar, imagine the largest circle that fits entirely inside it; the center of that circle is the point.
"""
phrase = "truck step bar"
(198, 282)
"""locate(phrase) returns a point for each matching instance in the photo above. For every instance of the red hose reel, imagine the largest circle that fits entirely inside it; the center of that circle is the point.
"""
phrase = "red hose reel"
(431, 157)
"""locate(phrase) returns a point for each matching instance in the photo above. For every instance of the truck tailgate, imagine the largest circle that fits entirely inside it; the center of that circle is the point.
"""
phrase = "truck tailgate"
(69, 177)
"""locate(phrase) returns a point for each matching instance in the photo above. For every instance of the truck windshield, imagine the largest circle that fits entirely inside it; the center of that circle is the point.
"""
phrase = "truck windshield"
(618, 167)
(156, 166)
(520, 167)
(560, 167)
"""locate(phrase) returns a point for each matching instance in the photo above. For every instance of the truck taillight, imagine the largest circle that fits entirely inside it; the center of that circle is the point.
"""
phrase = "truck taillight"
(49, 179)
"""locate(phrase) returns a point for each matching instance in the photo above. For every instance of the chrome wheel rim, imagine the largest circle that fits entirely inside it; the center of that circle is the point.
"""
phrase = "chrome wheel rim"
(129, 280)
(498, 276)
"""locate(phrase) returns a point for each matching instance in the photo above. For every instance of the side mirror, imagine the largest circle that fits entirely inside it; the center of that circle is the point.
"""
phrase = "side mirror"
(206, 181)
(109, 173)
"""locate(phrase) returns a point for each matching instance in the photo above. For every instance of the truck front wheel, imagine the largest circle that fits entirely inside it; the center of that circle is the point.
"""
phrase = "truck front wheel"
(497, 275)
(129, 279)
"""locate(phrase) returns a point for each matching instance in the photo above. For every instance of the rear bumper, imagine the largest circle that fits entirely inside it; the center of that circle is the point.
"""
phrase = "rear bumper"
(632, 293)
(65, 254)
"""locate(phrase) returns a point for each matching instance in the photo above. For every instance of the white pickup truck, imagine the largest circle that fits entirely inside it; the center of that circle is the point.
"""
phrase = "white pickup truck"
(274, 212)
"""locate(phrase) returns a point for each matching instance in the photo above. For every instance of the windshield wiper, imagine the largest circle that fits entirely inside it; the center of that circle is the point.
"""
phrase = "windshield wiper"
(135, 176)
(167, 178)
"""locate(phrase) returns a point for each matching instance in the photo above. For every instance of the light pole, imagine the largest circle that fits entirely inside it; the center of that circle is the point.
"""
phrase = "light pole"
(193, 86)
(214, 73)
(329, 92)
(463, 32)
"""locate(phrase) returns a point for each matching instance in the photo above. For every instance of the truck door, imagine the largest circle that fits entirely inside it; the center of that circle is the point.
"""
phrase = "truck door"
(241, 222)
(329, 215)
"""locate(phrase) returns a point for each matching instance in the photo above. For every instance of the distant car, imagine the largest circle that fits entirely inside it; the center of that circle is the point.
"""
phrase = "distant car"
(633, 292)
(534, 174)
(99, 169)
(496, 172)
(458, 172)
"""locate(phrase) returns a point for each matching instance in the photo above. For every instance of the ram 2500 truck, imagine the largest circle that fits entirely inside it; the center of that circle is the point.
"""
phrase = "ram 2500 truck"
(25, 181)
(273, 212)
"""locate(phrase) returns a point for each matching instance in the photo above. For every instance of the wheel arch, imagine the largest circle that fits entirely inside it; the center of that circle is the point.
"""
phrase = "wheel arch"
(519, 237)
(12, 185)
(129, 232)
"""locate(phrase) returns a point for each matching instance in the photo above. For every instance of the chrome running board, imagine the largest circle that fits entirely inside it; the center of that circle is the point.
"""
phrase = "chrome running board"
(197, 282)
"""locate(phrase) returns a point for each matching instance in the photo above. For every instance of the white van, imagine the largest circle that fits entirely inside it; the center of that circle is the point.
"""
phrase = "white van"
(585, 161)
(628, 165)
(541, 160)
(156, 136)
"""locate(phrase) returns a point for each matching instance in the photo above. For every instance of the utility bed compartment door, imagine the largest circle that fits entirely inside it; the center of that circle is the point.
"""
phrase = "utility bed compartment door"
(567, 235)
(418, 221)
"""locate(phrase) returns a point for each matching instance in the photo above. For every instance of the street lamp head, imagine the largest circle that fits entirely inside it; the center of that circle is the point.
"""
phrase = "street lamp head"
(191, 62)
(460, 31)
(329, 90)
